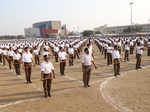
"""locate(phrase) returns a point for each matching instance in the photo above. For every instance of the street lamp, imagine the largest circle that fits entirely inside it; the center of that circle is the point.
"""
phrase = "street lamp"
(131, 4)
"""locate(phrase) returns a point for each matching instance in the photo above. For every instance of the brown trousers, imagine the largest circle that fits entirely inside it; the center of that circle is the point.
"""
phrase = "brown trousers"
(116, 67)
(109, 58)
(62, 67)
(17, 67)
(148, 51)
(86, 75)
(56, 56)
(126, 58)
(47, 84)
(105, 53)
(119, 48)
(37, 60)
(28, 68)
(10, 60)
(138, 60)
(76, 54)
(131, 49)
(71, 60)
(0, 58)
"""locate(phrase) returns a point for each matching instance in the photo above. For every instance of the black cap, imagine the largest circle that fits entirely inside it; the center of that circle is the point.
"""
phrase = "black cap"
(45, 56)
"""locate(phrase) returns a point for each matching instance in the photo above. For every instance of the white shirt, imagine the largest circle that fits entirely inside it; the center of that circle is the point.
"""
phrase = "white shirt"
(62, 55)
(119, 44)
(5, 52)
(148, 44)
(87, 59)
(46, 47)
(116, 54)
(46, 67)
(56, 49)
(10, 53)
(16, 56)
(20, 50)
(27, 57)
(36, 52)
(139, 50)
(70, 50)
(127, 47)
(109, 50)
(131, 43)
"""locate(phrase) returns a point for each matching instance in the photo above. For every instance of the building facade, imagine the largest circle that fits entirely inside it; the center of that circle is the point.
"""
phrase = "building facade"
(32, 32)
(120, 29)
(48, 28)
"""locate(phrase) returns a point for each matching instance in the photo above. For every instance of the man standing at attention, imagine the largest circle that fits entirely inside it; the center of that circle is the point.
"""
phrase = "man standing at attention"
(116, 57)
(62, 58)
(16, 61)
(47, 74)
(87, 61)
(27, 64)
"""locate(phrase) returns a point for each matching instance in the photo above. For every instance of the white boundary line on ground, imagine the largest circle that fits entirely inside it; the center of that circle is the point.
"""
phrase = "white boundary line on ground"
(18, 102)
(109, 99)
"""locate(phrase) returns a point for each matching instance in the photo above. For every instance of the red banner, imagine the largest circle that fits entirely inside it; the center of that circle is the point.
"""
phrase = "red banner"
(49, 31)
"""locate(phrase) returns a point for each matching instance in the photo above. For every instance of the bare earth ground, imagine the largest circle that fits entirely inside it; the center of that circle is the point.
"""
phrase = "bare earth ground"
(131, 90)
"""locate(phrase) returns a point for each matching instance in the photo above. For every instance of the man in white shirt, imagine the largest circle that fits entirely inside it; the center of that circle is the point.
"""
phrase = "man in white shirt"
(139, 52)
(87, 61)
(62, 59)
(71, 54)
(116, 58)
(109, 54)
(17, 61)
(10, 57)
(56, 50)
(131, 46)
(5, 55)
(27, 63)
(76, 53)
(47, 74)
(105, 50)
(36, 56)
(119, 45)
(126, 57)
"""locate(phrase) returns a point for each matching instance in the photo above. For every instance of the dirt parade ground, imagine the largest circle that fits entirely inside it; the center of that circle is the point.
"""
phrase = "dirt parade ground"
(128, 93)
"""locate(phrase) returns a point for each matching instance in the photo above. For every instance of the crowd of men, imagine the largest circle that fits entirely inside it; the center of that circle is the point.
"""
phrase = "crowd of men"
(26, 54)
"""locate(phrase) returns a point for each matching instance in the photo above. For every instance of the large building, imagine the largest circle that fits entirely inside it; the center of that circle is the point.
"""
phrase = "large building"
(120, 29)
(48, 28)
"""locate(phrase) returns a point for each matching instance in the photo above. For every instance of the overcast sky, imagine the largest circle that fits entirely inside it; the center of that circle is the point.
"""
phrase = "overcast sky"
(15, 15)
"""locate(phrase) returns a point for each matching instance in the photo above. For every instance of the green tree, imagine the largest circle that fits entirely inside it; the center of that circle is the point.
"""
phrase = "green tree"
(88, 33)
(98, 32)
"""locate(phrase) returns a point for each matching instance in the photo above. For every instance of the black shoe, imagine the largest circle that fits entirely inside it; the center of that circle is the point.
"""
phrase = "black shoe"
(89, 86)
(85, 86)
(45, 96)
(49, 95)
(140, 67)
(115, 75)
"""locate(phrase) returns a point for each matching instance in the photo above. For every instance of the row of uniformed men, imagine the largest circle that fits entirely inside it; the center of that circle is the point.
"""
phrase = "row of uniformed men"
(46, 68)
(127, 45)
